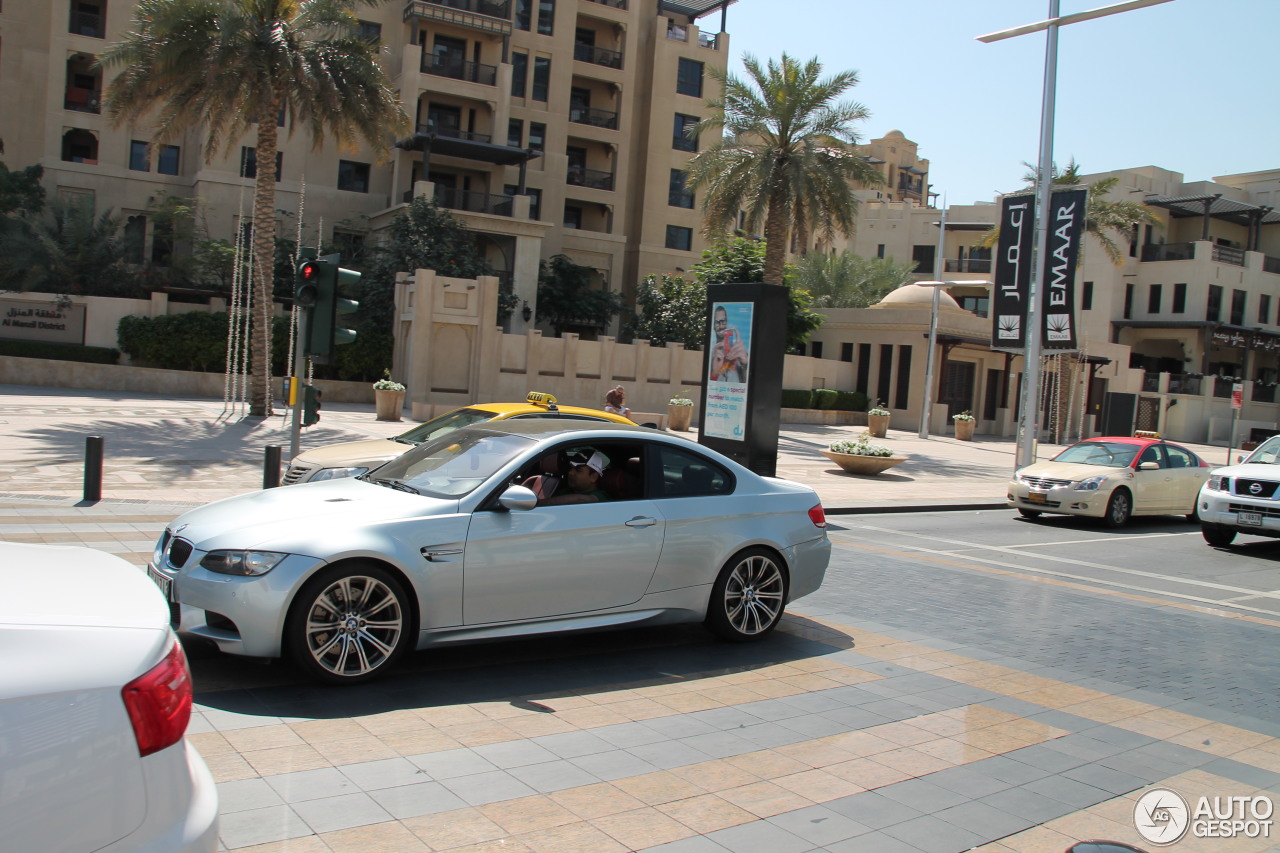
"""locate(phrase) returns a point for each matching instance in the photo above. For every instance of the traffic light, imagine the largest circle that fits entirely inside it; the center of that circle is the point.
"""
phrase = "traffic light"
(310, 405)
(306, 288)
(323, 332)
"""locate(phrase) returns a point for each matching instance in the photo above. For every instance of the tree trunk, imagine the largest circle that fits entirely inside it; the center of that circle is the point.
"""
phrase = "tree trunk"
(775, 242)
(264, 257)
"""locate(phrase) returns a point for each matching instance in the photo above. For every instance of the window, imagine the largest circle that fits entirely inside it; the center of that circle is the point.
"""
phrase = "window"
(816, 349)
(677, 194)
(138, 157)
(524, 14)
(515, 133)
(1154, 294)
(1086, 297)
(689, 77)
(923, 256)
(902, 389)
(349, 245)
(1264, 308)
(688, 475)
(680, 130)
(572, 216)
(135, 238)
(1179, 299)
(1237, 307)
(170, 160)
(537, 136)
(541, 78)
(1213, 308)
(369, 31)
(353, 177)
(162, 244)
(519, 74)
(1128, 302)
(546, 16)
(535, 198)
(679, 237)
(885, 373)
(880, 250)
(864, 369)
(249, 163)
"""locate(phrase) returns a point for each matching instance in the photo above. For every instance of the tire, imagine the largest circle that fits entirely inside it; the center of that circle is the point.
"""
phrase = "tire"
(1119, 508)
(748, 597)
(1194, 515)
(349, 624)
(1029, 513)
(1217, 535)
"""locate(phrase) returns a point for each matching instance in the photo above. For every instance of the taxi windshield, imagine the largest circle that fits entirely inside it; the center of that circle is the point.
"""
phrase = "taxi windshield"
(450, 466)
(446, 423)
(1109, 454)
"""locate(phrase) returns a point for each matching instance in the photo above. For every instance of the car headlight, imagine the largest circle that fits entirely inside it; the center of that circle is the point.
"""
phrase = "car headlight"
(1091, 484)
(248, 563)
(337, 473)
(1216, 483)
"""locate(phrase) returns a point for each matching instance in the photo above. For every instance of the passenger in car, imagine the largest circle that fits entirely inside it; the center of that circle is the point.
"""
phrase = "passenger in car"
(583, 480)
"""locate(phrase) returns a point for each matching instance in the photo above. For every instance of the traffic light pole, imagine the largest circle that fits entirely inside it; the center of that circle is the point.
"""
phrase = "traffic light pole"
(299, 367)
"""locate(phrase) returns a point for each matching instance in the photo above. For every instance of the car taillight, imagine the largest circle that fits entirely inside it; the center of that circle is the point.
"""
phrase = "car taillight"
(159, 702)
(818, 517)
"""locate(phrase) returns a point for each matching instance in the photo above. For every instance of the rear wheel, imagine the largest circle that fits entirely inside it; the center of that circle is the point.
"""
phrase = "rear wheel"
(1029, 513)
(1217, 535)
(349, 623)
(1119, 508)
(748, 597)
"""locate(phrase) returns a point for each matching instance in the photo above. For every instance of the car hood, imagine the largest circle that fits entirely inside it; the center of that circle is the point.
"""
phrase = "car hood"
(353, 453)
(1072, 471)
(300, 515)
(1251, 471)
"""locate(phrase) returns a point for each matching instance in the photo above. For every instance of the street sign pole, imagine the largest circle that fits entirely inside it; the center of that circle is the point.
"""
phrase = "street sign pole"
(299, 368)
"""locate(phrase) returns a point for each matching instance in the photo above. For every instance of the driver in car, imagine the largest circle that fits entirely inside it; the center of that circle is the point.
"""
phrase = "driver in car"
(586, 467)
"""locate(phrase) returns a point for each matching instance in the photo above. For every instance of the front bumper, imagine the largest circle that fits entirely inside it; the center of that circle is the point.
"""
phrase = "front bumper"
(1238, 513)
(1063, 500)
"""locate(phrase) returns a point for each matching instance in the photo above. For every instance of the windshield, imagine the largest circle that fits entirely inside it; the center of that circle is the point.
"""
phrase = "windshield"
(446, 423)
(1268, 453)
(452, 465)
(1110, 454)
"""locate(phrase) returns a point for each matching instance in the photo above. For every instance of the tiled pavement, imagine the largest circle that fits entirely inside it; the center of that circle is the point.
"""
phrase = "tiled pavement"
(839, 734)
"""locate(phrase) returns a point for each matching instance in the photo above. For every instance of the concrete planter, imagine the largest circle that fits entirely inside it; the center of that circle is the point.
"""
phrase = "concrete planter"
(964, 429)
(678, 418)
(867, 466)
(878, 425)
(389, 404)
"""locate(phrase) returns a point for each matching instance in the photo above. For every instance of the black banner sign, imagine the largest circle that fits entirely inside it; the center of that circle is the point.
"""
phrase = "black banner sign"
(1012, 281)
(1058, 286)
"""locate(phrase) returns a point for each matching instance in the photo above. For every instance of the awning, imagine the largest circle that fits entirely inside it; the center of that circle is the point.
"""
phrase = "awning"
(1238, 212)
(693, 9)
(470, 149)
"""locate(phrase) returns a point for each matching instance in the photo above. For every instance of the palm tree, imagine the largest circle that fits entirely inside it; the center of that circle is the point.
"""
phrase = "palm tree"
(786, 157)
(224, 66)
(847, 280)
(1105, 219)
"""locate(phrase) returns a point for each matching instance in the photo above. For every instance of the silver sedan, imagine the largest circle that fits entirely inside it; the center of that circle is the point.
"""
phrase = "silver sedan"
(449, 543)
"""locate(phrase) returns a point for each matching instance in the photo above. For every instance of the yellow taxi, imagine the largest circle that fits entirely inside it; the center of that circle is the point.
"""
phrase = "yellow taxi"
(353, 458)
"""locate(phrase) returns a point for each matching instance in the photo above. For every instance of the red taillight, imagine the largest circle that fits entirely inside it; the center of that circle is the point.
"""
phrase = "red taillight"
(818, 517)
(159, 702)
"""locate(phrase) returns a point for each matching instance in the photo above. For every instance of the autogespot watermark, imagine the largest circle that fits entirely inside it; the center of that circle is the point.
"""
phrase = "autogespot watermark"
(1162, 816)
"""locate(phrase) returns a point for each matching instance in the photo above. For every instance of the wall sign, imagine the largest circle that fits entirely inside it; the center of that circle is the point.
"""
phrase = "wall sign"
(23, 320)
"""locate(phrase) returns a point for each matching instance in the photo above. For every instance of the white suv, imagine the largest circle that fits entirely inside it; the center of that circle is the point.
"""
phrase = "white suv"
(1243, 498)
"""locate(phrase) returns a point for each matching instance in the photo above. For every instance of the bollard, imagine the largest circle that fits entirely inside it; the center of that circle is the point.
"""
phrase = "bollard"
(93, 468)
(271, 467)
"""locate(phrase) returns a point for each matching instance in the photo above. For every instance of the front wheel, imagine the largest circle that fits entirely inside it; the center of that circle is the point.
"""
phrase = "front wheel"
(748, 597)
(1217, 535)
(1119, 508)
(1029, 513)
(349, 623)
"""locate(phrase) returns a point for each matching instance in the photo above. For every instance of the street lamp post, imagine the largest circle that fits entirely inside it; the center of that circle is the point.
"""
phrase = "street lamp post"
(1028, 416)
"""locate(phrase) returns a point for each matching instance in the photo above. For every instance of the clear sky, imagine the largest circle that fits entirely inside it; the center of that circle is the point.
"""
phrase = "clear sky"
(1187, 85)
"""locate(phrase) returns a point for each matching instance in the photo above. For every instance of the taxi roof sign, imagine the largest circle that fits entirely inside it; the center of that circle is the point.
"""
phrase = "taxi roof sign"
(539, 398)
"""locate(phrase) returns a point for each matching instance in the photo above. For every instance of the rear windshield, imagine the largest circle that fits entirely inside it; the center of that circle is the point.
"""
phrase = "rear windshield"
(446, 423)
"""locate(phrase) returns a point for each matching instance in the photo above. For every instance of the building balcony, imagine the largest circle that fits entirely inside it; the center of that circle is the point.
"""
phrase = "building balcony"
(490, 16)
(454, 132)
(471, 202)
(1228, 255)
(1169, 252)
(709, 41)
(597, 55)
(592, 178)
(459, 69)
(616, 4)
(594, 117)
(82, 100)
(1270, 264)
(90, 24)
(973, 265)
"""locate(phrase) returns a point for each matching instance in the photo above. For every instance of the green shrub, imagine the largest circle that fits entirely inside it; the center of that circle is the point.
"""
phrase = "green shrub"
(850, 401)
(794, 398)
(824, 398)
(60, 352)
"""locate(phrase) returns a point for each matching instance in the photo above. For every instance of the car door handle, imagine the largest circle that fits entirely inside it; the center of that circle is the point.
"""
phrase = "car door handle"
(642, 521)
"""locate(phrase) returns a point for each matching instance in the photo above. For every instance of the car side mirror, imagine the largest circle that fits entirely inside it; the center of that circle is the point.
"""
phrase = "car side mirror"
(1239, 458)
(518, 498)
(1148, 466)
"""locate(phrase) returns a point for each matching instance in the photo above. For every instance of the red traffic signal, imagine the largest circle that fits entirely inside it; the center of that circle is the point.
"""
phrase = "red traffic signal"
(306, 289)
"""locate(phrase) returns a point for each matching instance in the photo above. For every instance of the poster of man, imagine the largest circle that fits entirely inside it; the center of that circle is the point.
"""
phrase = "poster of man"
(731, 342)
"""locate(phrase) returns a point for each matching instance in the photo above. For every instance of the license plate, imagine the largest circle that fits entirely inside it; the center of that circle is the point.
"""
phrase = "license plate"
(165, 583)
(1036, 497)
(1252, 519)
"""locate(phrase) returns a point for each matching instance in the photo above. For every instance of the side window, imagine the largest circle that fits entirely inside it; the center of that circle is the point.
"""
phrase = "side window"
(686, 474)
(1179, 458)
(1151, 454)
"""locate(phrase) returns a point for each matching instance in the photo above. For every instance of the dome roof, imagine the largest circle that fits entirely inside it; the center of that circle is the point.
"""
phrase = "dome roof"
(918, 294)
(895, 133)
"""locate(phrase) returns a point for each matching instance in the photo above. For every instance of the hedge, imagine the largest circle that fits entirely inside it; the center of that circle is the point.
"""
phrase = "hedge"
(793, 398)
(60, 352)
(824, 398)
(850, 401)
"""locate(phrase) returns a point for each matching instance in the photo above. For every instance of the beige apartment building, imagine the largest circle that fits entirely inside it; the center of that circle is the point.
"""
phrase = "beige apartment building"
(548, 126)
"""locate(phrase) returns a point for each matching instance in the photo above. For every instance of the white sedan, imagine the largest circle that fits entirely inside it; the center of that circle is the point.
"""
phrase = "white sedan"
(94, 704)
(1243, 498)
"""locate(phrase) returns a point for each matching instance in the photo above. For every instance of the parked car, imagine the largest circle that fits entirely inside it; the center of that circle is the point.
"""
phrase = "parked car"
(1111, 478)
(445, 544)
(353, 458)
(1243, 498)
(94, 704)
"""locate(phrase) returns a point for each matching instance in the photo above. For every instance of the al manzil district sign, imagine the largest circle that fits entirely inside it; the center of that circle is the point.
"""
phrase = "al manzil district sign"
(21, 320)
